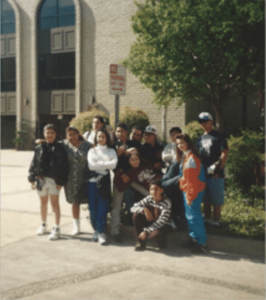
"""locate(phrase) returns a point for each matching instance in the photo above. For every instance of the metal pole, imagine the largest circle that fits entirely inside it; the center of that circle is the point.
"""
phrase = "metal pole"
(116, 109)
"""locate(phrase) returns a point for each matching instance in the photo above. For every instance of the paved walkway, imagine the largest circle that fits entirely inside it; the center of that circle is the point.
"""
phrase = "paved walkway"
(77, 268)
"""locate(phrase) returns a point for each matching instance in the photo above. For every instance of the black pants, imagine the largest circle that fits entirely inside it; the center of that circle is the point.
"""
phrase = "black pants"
(159, 236)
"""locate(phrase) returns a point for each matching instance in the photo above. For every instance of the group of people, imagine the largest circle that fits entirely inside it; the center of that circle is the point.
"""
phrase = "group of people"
(157, 185)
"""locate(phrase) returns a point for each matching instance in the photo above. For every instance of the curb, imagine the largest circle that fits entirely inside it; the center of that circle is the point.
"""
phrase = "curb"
(215, 242)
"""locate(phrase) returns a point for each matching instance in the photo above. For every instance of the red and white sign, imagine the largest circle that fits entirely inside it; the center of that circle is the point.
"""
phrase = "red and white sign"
(117, 80)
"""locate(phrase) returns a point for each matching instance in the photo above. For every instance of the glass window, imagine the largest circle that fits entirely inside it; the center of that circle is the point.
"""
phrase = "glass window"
(48, 8)
(66, 7)
(8, 74)
(57, 71)
(56, 13)
(7, 18)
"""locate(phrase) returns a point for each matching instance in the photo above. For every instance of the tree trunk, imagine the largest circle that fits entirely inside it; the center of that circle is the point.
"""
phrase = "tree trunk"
(219, 117)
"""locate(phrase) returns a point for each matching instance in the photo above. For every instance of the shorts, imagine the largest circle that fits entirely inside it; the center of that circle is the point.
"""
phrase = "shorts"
(48, 188)
(214, 191)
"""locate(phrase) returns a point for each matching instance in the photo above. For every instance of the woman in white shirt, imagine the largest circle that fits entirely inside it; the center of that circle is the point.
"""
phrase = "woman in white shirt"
(101, 159)
(97, 124)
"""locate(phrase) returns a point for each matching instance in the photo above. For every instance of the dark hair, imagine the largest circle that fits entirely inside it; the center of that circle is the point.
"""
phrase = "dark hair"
(156, 182)
(138, 155)
(190, 145)
(122, 125)
(108, 139)
(50, 126)
(175, 129)
(137, 128)
(100, 118)
(73, 128)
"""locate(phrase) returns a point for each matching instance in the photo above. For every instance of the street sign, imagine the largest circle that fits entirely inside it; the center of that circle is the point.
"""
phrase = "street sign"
(117, 80)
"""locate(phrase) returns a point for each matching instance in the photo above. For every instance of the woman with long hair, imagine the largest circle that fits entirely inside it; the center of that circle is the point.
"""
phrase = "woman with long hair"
(192, 184)
(98, 123)
(75, 189)
(101, 159)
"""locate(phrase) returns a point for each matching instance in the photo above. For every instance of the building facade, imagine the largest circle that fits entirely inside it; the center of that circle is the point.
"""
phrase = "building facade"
(55, 62)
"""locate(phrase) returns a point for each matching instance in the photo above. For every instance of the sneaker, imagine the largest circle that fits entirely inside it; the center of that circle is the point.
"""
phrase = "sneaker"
(102, 239)
(199, 249)
(215, 224)
(162, 245)
(118, 238)
(42, 229)
(140, 246)
(76, 227)
(54, 235)
(189, 243)
(95, 236)
(208, 221)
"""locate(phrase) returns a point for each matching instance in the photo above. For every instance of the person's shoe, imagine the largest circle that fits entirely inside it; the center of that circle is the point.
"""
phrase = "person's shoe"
(54, 235)
(95, 236)
(162, 246)
(140, 246)
(208, 222)
(42, 229)
(118, 238)
(102, 239)
(215, 224)
(189, 243)
(76, 227)
(199, 249)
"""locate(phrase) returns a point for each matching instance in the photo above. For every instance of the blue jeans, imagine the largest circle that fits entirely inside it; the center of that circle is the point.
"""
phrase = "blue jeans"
(195, 220)
(98, 208)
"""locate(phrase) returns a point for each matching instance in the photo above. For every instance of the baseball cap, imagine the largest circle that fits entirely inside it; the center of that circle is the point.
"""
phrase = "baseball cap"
(151, 129)
(204, 117)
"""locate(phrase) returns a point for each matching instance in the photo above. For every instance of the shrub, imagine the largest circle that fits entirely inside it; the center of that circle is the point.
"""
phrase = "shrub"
(245, 154)
(83, 121)
(194, 130)
(132, 117)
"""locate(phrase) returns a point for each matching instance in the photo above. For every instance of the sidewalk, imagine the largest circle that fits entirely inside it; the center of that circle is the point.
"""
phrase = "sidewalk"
(77, 268)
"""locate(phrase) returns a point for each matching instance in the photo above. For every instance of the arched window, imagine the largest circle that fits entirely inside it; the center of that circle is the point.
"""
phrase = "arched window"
(7, 18)
(56, 13)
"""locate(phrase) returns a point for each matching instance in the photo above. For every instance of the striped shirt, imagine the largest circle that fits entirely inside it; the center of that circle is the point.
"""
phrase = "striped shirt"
(163, 207)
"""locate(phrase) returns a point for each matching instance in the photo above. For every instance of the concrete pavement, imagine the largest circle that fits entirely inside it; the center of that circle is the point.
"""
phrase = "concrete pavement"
(77, 268)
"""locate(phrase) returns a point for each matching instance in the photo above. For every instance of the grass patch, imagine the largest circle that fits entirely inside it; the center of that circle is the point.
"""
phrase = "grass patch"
(240, 219)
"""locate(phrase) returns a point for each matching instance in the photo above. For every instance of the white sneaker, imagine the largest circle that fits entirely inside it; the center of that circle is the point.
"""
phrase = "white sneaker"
(42, 229)
(95, 236)
(76, 227)
(54, 235)
(102, 238)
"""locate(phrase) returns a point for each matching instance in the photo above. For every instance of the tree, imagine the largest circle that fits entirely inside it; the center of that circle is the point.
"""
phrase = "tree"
(199, 49)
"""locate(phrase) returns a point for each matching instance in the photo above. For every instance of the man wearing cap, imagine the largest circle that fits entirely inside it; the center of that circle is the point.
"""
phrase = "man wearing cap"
(213, 150)
(151, 150)
(123, 148)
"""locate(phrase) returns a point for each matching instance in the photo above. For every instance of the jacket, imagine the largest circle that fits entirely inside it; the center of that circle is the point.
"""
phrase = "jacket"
(50, 160)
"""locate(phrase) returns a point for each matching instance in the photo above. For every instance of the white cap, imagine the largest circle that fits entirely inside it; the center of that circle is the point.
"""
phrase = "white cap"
(151, 129)
(204, 116)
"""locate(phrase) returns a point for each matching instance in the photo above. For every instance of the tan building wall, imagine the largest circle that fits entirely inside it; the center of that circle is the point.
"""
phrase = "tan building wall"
(103, 37)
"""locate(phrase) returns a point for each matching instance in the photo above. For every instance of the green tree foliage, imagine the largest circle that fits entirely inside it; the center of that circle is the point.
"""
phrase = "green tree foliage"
(198, 49)
(194, 130)
(132, 117)
(83, 121)
(246, 154)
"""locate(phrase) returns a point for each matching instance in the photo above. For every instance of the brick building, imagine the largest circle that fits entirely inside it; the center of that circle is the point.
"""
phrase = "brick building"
(55, 60)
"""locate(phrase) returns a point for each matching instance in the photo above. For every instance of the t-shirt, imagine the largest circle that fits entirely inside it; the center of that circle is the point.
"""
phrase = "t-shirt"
(210, 146)
(122, 159)
(152, 154)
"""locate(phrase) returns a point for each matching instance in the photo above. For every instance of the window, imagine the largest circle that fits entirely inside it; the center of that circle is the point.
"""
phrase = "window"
(56, 13)
(57, 71)
(8, 74)
(7, 18)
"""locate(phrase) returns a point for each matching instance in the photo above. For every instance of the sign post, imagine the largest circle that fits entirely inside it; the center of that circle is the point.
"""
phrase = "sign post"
(117, 85)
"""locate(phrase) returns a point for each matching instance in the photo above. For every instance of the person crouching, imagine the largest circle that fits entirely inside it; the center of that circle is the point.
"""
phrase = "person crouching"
(150, 217)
